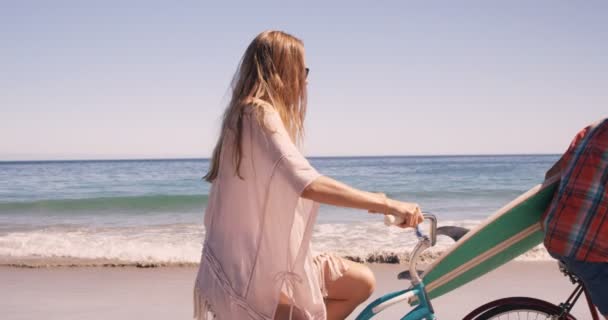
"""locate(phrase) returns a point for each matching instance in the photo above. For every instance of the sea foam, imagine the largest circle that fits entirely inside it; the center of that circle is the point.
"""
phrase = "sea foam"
(181, 244)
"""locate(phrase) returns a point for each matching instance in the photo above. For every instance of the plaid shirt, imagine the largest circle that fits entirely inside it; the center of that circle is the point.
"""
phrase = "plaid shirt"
(576, 222)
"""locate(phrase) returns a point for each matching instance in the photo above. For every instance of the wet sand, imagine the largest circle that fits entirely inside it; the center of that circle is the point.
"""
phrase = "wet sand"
(166, 293)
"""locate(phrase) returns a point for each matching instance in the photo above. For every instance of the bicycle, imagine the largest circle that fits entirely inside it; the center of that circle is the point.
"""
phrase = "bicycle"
(513, 307)
(518, 307)
(416, 295)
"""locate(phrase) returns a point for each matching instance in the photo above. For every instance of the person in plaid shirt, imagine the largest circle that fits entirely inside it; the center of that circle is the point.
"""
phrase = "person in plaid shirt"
(576, 222)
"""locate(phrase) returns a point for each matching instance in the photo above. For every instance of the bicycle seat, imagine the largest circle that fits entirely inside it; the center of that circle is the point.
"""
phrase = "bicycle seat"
(564, 269)
(452, 231)
(405, 275)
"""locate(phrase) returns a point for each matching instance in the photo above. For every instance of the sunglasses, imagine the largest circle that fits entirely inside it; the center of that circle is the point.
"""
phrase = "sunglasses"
(307, 71)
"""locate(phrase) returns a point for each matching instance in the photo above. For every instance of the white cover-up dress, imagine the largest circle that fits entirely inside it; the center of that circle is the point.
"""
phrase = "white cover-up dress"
(258, 231)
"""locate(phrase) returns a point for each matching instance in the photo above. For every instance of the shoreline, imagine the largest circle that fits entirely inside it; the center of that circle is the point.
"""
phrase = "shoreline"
(534, 255)
(74, 263)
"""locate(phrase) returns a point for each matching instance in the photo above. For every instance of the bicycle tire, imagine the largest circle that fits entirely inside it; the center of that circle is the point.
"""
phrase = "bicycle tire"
(503, 308)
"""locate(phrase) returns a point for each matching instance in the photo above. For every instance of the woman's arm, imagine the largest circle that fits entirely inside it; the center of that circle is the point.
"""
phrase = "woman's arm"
(329, 191)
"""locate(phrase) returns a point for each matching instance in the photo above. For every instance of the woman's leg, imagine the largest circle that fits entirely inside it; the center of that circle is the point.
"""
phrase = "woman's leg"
(286, 312)
(348, 291)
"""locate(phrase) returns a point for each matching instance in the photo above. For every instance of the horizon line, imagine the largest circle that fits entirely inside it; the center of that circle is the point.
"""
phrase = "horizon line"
(308, 157)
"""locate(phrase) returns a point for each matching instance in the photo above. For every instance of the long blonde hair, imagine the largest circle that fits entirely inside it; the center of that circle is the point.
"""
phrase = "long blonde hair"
(271, 72)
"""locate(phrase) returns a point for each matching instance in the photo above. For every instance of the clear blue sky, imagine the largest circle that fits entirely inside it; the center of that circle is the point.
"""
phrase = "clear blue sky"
(132, 79)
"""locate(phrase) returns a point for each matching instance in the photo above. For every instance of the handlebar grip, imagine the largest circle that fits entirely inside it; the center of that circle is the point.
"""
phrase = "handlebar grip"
(391, 220)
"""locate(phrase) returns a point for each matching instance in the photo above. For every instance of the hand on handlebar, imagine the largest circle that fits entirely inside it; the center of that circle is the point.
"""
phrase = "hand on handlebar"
(410, 213)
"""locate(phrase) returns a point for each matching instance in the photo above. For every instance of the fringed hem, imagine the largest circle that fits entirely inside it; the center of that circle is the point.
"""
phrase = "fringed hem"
(329, 262)
(202, 308)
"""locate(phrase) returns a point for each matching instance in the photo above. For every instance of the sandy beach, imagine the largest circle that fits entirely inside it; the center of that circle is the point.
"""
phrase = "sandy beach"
(135, 135)
(166, 293)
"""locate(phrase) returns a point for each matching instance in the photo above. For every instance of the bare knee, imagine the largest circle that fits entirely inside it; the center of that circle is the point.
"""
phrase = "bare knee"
(355, 285)
(367, 283)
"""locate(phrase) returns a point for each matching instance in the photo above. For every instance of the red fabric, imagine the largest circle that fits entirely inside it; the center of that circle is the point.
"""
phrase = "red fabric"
(576, 223)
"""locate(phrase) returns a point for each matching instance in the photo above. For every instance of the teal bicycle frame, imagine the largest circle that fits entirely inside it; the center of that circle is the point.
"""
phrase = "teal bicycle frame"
(414, 296)
(424, 310)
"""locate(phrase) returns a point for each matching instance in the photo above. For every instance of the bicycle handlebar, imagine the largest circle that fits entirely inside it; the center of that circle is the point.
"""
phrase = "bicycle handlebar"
(390, 220)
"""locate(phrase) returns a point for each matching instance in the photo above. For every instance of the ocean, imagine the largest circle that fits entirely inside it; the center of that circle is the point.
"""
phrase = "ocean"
(150, 212)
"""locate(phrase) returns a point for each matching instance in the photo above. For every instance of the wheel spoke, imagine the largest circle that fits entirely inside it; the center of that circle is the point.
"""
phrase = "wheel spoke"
(521, 315)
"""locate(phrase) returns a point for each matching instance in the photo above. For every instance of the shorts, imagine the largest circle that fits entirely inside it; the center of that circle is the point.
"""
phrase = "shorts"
(595, 277)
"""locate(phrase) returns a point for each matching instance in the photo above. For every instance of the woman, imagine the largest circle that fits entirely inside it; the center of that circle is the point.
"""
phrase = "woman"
(256, 261)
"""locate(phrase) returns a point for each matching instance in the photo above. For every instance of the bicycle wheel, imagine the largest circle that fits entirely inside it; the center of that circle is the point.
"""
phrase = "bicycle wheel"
(519, 308)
